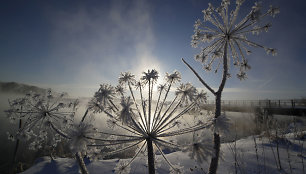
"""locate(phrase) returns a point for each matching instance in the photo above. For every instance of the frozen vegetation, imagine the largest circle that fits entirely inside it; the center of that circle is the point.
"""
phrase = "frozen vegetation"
(139, 126)
(243, 150)
(238, 143)
(224, 39)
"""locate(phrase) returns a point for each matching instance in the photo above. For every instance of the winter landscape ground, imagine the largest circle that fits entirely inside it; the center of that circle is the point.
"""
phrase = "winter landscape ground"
(245, 149)
(81, 118)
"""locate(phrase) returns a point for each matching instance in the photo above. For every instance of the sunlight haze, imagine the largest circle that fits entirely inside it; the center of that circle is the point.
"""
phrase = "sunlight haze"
(74, 46)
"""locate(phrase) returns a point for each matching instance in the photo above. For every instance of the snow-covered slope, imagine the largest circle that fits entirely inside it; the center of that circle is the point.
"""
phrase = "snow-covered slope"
(246, 160)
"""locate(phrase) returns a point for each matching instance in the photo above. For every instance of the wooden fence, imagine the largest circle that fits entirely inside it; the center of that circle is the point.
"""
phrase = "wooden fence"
(294, 103)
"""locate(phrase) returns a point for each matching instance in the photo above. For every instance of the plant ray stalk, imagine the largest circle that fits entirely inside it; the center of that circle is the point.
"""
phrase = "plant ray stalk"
(163, 102)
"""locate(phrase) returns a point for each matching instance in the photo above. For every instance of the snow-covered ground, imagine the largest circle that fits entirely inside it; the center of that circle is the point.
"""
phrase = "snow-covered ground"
(246, 160)
(291, 153)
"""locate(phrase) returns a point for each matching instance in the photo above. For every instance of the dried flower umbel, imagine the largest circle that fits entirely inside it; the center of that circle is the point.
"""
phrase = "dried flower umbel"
(147, 121)
(228, 41)
(41, 117)
(46, 113)
(226, 35)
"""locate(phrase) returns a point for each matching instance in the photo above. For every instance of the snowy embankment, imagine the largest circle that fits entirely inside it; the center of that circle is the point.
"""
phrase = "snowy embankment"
(291, 155)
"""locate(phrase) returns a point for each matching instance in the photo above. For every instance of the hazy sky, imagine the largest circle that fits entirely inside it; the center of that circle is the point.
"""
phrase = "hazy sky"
(74, 46)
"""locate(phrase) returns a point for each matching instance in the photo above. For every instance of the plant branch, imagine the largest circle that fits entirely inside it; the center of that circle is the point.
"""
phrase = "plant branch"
(198, 76)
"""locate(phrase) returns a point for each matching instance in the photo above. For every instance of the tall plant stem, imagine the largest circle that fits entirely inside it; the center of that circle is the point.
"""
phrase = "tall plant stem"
(150, 101)
(85, 114)
(143, 109)
(256, 152)
(154, 116)
(162, 105)
(144, 114)
(81, 163)
(215, 160)
(218, 94)
(150, 156)
(163, 118)
(78, 155)
(16, 149)
(16, 145)
(277, 150)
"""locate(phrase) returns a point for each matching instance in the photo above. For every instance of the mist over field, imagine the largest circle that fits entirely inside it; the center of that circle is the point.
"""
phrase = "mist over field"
(242, 125)
(142, 86)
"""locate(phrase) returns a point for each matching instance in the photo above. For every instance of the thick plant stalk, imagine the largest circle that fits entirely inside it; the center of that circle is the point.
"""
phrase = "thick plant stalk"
(78, 155)
(150, 156)
(82, 165)
(215, 160)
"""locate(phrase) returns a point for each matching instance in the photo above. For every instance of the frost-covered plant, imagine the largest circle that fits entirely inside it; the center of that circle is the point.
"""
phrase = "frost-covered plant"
(78, 138)
(227, 38)
(78, 134)
(41, 112)
(228, 41)
(147, 121)
(122, 167)
(40, 116)
(177, 169)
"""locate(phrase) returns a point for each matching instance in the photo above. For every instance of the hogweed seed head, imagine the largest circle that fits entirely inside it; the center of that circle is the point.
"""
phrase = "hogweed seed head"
(42, 115)
(149, 119)
(227, 33)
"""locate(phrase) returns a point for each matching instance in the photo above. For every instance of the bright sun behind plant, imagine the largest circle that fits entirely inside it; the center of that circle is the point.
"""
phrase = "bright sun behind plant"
(147, 122)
